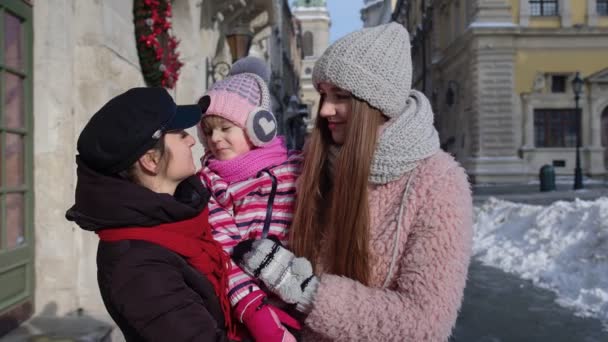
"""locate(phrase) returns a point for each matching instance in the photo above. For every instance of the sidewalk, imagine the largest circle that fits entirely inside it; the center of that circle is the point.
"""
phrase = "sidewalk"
(77, 327)
(496, 302)
(530, 193)
(88, 327)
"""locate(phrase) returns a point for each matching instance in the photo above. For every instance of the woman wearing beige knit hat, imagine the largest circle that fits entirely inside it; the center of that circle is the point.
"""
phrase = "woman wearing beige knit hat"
(382, 213)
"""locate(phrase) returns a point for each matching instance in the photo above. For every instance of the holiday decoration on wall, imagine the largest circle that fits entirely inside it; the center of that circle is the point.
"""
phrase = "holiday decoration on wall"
(156, 46)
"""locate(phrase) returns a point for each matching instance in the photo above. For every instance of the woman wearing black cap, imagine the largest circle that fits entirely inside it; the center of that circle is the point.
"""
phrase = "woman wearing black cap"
(161, 275)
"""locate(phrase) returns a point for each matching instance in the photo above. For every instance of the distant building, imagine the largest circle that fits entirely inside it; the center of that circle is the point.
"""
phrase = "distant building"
(377, 12)
(285, 63)
(499, 75)
(315, 22)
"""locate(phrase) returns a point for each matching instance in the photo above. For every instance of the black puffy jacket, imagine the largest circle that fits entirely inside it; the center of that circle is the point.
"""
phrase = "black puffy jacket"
(152, 293)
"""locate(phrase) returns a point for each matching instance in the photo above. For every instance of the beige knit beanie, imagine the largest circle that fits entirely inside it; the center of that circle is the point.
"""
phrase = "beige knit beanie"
(374, 64)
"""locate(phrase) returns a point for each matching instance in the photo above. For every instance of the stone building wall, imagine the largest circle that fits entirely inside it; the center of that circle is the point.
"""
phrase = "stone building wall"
(84, 54)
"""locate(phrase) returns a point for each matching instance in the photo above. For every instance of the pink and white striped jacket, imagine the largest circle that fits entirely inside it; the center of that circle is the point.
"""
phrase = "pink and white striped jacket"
(237, 212)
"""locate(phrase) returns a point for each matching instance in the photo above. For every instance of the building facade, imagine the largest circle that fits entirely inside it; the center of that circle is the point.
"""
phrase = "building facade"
(62, 60)
(285, 64)
(377, 12)
(499, 75)
(314, 20)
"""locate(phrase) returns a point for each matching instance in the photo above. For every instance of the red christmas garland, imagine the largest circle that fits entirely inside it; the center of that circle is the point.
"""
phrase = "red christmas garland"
(156, 47)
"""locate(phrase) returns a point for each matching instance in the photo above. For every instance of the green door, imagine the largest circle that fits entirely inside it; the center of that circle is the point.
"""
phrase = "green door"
(16, 166)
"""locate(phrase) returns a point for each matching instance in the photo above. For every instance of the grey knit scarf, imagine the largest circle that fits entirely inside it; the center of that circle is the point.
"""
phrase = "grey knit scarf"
(406, 139)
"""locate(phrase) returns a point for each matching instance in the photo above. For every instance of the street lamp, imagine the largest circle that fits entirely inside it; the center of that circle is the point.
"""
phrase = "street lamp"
(239, 43)
(577, 87)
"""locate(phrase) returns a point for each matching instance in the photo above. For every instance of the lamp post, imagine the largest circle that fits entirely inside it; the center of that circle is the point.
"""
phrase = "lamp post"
(214, 70)
(577, 87)
(239, 42)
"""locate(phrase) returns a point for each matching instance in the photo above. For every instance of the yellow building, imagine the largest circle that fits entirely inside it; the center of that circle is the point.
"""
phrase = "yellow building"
(499, 74)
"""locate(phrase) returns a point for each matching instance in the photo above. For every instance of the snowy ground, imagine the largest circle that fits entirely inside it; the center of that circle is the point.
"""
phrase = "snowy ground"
(562, 247)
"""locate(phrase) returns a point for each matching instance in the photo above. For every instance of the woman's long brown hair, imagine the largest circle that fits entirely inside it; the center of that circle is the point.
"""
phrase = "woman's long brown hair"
(335, 206)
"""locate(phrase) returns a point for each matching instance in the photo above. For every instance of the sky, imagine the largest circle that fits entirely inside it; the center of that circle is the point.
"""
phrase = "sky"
(345, 17)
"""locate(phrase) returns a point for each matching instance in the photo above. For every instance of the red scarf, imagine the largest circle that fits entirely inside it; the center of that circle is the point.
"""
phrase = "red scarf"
(193, 240)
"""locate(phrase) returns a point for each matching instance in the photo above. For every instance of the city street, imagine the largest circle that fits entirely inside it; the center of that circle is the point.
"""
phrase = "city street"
(500, 307)
(557, 245)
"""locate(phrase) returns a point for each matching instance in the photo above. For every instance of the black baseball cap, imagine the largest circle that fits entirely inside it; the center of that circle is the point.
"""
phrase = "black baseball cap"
(129, 125)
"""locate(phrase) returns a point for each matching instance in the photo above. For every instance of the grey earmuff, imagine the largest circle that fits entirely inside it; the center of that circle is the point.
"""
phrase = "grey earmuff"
(261, 126)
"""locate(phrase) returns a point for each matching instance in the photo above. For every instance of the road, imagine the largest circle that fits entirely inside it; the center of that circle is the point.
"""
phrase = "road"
(500, 307)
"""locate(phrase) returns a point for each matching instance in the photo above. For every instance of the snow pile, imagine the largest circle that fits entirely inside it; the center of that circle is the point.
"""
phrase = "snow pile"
(562, 247)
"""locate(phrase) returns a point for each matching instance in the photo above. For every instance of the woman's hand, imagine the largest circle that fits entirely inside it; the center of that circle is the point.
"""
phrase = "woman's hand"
(288, 277)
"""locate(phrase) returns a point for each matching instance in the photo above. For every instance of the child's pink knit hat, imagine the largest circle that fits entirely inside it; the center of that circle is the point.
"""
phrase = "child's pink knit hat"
(244, 99)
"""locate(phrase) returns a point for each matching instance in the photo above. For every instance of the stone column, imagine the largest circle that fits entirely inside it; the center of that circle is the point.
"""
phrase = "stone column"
(56, 256)
(594, 110)
(494, 157)
(496, 101)
(105, 65)
(565, 13)
(524, 13)
(591, 13)
(528, 119)
(595, 103)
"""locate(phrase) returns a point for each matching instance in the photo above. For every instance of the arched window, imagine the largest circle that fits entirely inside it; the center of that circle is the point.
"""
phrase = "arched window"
(307, 44)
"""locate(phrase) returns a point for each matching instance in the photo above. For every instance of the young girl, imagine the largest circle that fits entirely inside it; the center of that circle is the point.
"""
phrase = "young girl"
(383, 215)
(252, 182)
(161, 274)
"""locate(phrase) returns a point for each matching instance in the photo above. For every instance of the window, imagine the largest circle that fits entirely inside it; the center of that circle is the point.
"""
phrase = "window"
(543, 8)
(555, 127)
(307, 44)
(449, 97)
(16, 130)
(602, 7)
(559, 163)
(14, 134)
(558, 84)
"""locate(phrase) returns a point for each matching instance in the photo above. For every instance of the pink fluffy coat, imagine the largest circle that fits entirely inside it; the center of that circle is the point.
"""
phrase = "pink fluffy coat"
(424, 292)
